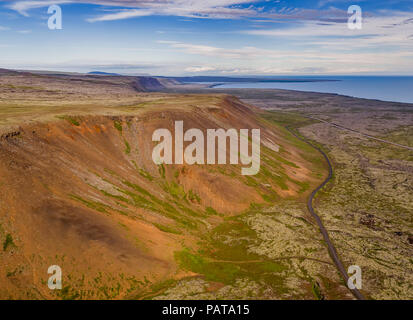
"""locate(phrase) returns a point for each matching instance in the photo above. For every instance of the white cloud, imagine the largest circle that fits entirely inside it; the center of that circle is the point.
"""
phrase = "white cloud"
(384, 30)
(219, 9)
(199, 69)
(23, 7)
(120, 15)
(335, 60)
(211, 51)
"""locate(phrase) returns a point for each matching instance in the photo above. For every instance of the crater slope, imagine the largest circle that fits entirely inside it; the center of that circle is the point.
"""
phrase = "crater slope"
(79, 189)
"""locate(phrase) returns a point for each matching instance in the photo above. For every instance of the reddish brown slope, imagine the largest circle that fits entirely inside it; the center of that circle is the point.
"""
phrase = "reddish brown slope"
(84, 193)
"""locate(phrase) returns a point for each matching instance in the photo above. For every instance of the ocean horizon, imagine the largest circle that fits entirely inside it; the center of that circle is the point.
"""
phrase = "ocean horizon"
(385, 88)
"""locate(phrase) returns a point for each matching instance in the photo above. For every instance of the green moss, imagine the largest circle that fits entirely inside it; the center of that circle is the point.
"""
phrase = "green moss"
(127, 146)
(284, 118)
(174, 189)
(118, 197)
(118, 125)
(91, 204)
(111, 172)
(161, 169)
(8, 242)
(237, 250)
(149, 201)
(140, 201)
(12, 273)
(188, 211)
(280, 179)
(304, 186)
(145, 174)
(316, 290)
(270, 198)
(211, 211)
(139, 189)
(264, 267)
(251, 181)
(167, 229)
(213, 271)
(72, 120)
(67, 293)
(193, 197)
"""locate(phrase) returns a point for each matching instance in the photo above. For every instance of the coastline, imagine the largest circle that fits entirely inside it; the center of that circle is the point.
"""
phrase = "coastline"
(388, 89)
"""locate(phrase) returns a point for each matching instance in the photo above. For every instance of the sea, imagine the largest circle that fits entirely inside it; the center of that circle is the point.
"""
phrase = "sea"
(386, 88)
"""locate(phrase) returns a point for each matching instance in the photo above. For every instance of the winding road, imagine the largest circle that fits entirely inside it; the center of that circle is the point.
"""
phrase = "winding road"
(331, 248)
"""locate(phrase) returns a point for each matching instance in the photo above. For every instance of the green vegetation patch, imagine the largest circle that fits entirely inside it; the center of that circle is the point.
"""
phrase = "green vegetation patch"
(68, 293)
(264, 267)
(175, 190)
(167, 229)
(211, 211)
(316, 290)
(90, 204)
(127, 146)
(118, 125)
(145, 174)
(71, 120)
(213, 271)
(193, 197)
(8, 242)
(221, 248)
(147, 200)
(161, 169)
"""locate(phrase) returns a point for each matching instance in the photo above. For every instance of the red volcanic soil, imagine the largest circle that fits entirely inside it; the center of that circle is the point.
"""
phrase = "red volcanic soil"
(83, 193)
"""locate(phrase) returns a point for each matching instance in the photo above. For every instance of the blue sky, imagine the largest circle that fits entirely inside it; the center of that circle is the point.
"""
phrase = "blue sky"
(209, 37)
